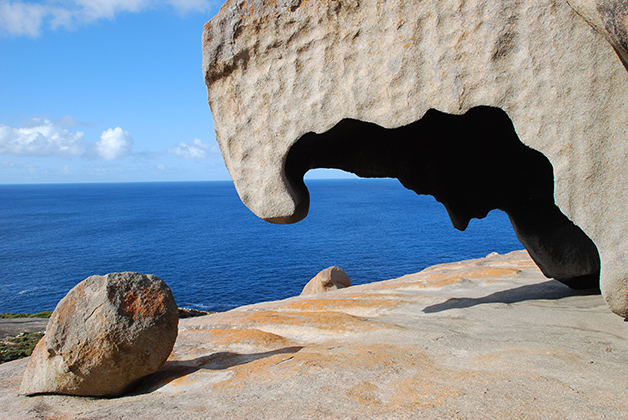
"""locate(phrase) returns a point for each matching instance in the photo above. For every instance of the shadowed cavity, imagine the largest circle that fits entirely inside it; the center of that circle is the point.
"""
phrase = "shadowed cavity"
(472, 164)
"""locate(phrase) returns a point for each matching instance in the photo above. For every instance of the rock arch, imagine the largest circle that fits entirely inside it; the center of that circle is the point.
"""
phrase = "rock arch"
(276, 72)
(471, 163)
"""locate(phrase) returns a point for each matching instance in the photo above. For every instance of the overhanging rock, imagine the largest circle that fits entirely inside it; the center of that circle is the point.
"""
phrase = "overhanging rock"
(529, 87)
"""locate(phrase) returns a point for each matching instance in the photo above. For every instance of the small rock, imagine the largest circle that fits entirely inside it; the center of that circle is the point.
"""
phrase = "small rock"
(191, 313)
(331, 278)
(107, 333)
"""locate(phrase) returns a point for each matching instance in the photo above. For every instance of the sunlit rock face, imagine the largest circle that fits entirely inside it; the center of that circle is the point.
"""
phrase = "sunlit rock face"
(106, 334)
(489, 338)
(527, 90)
(331, 278)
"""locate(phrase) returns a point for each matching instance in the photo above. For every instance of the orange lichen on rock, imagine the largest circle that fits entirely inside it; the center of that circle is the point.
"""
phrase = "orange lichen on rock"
(334, 321)
(254, 337)
(146, 302)
(341, 304)
(390, 377)
(106, 334)
(468, 272)
(206, 341)
(519, 347)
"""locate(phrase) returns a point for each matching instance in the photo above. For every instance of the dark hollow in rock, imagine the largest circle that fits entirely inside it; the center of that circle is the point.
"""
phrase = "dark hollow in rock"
(472, 164)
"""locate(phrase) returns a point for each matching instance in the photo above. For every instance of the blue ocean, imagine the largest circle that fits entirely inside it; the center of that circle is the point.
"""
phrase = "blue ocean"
(211, 250)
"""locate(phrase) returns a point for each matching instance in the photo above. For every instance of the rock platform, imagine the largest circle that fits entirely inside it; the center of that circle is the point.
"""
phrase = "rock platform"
(481, 339)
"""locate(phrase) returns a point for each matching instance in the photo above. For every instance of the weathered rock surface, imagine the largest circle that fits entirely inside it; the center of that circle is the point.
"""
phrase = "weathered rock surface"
(388, 88)
(104, 335)
(609, 18)
(331, 278)
(480, 339)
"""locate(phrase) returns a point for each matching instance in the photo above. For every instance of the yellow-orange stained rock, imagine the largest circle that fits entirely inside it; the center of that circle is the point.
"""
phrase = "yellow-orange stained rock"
(495, 340)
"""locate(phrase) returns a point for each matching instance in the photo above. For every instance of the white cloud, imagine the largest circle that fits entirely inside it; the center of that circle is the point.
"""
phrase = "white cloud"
(41, 137)
(195, 150)
(114, 143)
(89, 10)
(185, 6)
(19, 17)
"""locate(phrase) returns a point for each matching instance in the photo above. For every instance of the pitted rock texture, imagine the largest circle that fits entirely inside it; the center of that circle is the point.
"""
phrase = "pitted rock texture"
(331, 278)
(107, 333)
(481, 339)
(276, 71)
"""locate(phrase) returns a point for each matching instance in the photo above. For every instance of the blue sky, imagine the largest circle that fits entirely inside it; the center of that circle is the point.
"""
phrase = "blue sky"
(106, 91)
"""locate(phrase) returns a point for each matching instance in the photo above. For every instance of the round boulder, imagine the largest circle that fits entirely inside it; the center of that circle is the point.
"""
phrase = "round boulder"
(331, 278)
(106, 334)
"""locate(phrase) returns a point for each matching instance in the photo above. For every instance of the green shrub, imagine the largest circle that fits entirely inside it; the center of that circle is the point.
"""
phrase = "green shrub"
(23, 315)
(20, 346)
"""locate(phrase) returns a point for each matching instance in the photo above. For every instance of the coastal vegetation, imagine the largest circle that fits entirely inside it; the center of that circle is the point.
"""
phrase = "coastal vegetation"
(20, 346)
(10, 315)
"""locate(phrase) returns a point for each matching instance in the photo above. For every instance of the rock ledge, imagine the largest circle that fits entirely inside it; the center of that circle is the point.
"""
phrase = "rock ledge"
(480, 339)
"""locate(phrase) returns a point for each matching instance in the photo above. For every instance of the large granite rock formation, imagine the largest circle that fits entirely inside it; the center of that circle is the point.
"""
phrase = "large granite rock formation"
(484, 104)
(107, 333)
(481, 339)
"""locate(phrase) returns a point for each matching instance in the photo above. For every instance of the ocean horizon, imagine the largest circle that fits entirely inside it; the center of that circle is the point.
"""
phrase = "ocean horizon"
(211, 250)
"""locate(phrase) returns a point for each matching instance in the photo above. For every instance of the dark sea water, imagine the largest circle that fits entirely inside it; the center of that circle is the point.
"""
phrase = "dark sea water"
(211, 250)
